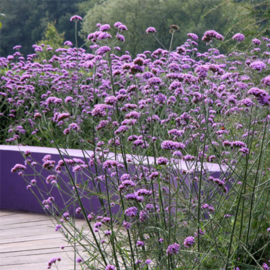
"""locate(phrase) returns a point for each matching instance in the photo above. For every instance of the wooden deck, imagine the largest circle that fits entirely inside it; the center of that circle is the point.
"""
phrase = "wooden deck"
(29, 241)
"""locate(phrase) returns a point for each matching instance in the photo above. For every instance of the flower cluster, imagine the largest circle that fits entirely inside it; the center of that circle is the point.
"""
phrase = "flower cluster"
(168, 139)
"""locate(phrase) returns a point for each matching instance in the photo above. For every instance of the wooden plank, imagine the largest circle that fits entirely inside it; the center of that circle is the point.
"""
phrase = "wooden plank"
(29, 238)
(29, 241)
(67, 249)
(38, 266)
(20, 218)
(32, 245)
(7, 213)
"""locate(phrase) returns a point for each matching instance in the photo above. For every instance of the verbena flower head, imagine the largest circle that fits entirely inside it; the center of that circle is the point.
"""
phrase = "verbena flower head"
(173, 249)
(189, 241)
(258, 65)
(266, 80)
(239, 37)
(103, 50)
(17, 47)
(68, 43)
(76, 18)
(131, 212)
(122, 27)
(162, 161)
(79, 260)
(193, 36)
(209, 35)
(151, 30)
(256, 41)
(104, 27)
(110, 267)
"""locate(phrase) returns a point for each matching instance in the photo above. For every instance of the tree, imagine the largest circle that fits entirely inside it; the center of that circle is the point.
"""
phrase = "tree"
(53, 39)
(190, 15)
(26, 21)
(17, 28)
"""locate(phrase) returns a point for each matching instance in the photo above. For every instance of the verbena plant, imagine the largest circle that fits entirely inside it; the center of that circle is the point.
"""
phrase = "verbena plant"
(157, 126)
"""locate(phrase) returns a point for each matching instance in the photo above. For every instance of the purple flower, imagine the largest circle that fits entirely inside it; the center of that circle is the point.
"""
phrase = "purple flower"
(102, 50)
(173, 249)
(266, 80)
(58, 227)
(256, 41)
(75, 18)
(140, 244)
(148, 261)
(208, 35)
(126, 225)
(247, 102)
(107, 233)
(239, 37)
(258, 65)
(62, 116)
(18, 167)
(97, 225)
(238, 144)
(170, 145)
(110, 164)
(189, 241)
(131, 212)
(90, 217)
(53, 260)
(68, 43)
(74, 126)
(151, 30)
(244, 150)
(122, 27)
(104, 35)
(162, 161)
(104, 27)
(79, 260)
(111, 100)
(154, 81)
(265, 266)
(143, 216)
(117, 24)
(110, 267)
(193, 36)
(120, 37)
(99, 110)
(17, 47)
(257, 92)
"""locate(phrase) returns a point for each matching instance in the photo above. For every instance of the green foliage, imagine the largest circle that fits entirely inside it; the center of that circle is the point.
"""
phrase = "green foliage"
(52, 39)
(253, 21)
(1, 16)
(191, 16)
(26, 21)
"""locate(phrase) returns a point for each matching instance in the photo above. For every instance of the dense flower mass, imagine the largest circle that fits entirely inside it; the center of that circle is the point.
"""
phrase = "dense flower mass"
(168, 140)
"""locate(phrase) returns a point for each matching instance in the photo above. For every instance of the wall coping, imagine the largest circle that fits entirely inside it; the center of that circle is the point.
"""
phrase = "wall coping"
(182, 165)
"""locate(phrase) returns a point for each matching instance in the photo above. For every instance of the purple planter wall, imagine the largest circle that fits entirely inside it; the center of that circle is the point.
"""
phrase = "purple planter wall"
(15, 196)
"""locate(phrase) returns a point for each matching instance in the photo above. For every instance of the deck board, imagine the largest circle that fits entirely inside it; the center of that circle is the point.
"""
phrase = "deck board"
(28, 241)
